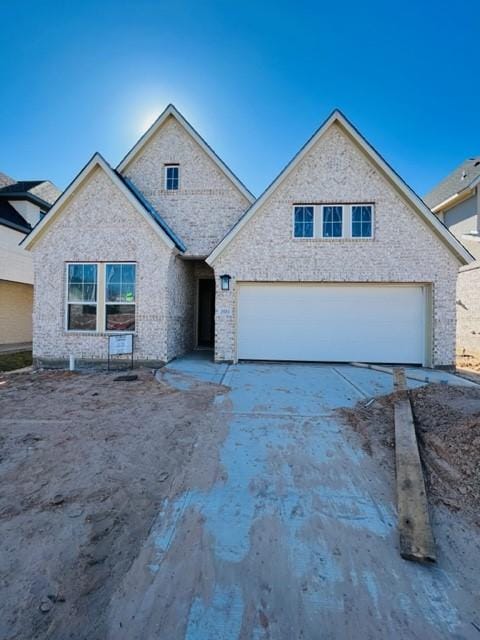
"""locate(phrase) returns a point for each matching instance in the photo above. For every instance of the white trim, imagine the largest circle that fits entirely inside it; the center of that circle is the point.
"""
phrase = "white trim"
(172, 111)
(96, 161)
(165, 168)
(408, 194)
(67, 302)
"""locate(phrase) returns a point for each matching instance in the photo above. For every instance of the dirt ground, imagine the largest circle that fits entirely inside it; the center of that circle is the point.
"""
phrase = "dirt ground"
(85, 463)
(447, 420)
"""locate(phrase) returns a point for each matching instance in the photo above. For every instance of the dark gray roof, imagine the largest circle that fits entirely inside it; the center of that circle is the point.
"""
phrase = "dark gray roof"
(459, 180)
(152, 211)
(10, 217)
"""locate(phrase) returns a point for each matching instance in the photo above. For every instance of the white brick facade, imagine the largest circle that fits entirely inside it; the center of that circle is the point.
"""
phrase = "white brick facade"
(403, 248)
(101, 225)
(468, 312)
(206, 205)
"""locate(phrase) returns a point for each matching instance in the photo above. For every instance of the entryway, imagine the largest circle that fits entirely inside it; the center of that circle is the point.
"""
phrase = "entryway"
(206, 312)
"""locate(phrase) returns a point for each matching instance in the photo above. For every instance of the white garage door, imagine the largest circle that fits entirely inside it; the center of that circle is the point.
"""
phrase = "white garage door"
(331, 323)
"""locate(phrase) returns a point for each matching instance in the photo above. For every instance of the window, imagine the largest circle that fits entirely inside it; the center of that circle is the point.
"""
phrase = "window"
(120, 297)
(361, 221)
(332, 222)
(303, 222)
(82, 297)
(171, 177)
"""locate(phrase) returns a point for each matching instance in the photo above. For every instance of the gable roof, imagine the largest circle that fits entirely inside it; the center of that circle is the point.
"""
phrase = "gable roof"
(41, 192)
(140, 205)
(463, 178)
(171, 110)
(337, 117)
(9, 217)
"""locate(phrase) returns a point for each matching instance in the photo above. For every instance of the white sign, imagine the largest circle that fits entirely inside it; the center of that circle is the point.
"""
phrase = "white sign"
(120, 345)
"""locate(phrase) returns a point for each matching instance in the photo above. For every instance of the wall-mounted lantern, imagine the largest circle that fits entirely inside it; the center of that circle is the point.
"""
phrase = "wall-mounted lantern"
(225, 282)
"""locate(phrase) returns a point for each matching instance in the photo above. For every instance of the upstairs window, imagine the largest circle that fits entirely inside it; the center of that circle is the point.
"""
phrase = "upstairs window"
(303, 222)
(82, 297)
(171, 177)
(332, 226)
(361, 221)
(120, 297)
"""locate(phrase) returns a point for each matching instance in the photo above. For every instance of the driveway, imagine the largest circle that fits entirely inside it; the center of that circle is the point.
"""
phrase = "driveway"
(289, 532)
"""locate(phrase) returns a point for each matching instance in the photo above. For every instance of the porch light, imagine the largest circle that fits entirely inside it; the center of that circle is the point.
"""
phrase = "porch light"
(225, 282)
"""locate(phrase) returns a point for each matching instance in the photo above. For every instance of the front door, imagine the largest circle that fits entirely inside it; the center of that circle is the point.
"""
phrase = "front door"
(206, 312)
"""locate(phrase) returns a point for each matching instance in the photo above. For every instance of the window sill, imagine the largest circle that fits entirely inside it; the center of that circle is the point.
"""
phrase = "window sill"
(97, 334)
(334, 239)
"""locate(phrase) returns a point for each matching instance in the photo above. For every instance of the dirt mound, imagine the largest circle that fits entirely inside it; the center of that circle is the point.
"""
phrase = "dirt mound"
(447, 421)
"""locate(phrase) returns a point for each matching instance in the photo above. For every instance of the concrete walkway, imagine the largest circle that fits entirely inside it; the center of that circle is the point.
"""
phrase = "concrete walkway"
(294, 534)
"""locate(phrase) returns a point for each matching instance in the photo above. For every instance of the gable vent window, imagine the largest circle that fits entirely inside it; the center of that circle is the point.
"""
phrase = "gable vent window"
(172, 172)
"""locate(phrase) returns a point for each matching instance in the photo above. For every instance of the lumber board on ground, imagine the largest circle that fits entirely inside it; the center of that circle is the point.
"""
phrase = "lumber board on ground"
(415, 531)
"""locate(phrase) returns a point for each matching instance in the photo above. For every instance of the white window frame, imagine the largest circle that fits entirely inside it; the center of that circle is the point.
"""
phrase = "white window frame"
(105, 302)
(296, 206)
(347, 221)
(362, 204)
(336, 204)
(171, 166)
(68, 303)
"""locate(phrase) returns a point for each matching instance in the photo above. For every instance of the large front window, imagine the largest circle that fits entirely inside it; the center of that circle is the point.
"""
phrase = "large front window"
(120, 297)
(82, 297)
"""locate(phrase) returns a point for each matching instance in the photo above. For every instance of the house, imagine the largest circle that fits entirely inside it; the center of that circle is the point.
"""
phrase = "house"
(456, 201)
(22, 205)
(337, 260)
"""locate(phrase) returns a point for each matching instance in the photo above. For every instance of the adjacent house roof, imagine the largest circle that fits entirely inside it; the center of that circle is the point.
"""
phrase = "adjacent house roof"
(172, 111)
(4, 179)
(9, 217)
(40, 192)
(140, 203)
(337, 118)
(464, 178)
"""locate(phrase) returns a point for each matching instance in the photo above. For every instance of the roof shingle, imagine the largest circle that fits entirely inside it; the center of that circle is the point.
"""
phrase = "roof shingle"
(457, 181)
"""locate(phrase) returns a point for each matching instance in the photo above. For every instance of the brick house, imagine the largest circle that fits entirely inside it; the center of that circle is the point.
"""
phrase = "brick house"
(456, 201)
(337, 260)
(22, 205)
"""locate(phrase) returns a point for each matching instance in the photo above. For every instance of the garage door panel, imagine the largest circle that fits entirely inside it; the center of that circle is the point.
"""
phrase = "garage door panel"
(370, 323)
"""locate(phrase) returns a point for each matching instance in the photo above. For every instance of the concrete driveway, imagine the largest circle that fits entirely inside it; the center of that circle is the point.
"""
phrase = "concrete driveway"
(289, 531)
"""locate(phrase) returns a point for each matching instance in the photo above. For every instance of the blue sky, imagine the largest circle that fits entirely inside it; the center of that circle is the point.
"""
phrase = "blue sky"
(255, 78)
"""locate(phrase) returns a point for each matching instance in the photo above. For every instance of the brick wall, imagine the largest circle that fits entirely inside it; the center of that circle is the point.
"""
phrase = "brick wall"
(100, 224)
(207, 203)
(403, 248)
(468, 312)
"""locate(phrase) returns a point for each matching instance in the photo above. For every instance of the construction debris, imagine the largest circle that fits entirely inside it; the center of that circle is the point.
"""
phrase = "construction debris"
(415, 531)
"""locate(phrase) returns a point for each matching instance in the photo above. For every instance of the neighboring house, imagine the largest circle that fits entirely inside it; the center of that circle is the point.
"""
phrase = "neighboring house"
(456, 201)
(22, 205)
(337, 260)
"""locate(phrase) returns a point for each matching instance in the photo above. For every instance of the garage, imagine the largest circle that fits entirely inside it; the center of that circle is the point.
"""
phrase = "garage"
(332, 322)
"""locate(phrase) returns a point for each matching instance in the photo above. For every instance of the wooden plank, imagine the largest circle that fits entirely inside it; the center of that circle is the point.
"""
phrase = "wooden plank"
(399, 379)
(415, 531)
